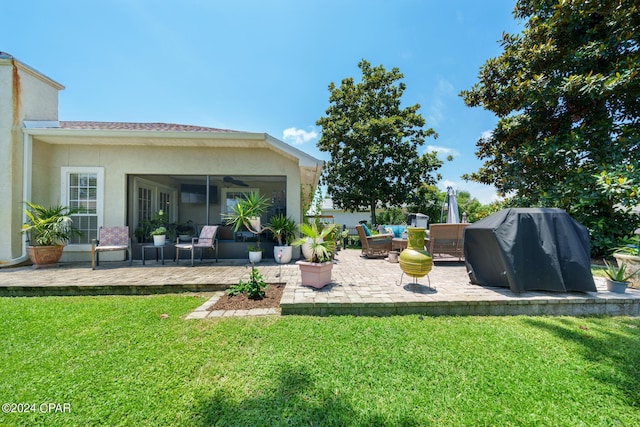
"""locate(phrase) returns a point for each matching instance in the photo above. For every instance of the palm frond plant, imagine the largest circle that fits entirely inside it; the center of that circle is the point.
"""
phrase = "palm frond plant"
(283, 229)
(320, 247)
(245, 211)
(318, 237)
(49, 226)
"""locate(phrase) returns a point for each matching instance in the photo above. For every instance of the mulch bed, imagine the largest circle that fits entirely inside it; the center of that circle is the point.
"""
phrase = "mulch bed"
(273, 294)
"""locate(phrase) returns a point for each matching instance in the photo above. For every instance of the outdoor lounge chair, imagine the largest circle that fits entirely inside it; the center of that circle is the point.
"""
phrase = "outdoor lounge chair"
(110, 239)
(447, 239)
(377, 245)
(207, 240)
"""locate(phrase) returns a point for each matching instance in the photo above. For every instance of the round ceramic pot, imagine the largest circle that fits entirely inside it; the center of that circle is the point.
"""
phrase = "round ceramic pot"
(159, 240)
(255, 257)
(415, 261)
(283, 254)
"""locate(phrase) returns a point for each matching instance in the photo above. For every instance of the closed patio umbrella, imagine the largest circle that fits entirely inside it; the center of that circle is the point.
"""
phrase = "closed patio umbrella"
(452, 212)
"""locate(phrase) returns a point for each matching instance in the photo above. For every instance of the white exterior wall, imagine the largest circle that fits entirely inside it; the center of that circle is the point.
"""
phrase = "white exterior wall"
(28, 96)
(24, 95)
(122, 160)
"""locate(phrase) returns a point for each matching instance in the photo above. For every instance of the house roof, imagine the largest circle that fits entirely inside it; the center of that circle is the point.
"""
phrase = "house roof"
(167, 134)
(160, 127)
(7, 58)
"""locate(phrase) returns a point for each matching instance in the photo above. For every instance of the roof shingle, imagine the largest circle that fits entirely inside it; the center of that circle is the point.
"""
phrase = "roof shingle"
(162, 127)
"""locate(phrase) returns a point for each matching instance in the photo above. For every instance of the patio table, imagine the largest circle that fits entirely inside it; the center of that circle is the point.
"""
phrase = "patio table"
(159, 249)
(398, 243)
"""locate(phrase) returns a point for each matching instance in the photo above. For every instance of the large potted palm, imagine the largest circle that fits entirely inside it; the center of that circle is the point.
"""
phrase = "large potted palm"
(48, 230)
(316, 269)
(246, 213)
(284, 231)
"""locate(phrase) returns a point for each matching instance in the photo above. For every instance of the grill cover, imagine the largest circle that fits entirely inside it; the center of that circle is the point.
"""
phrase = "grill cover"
(527, 249)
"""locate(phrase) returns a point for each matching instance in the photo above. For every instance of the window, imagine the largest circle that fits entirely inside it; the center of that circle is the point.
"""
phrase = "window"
(234, 195)
(150, 197)
(145, 203)
(82, 190)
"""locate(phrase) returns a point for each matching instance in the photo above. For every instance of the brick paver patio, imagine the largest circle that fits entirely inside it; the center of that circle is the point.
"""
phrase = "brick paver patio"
(360, 287)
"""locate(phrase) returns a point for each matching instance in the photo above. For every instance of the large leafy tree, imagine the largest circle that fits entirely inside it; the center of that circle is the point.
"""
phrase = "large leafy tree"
(567, 94)
(373, 142)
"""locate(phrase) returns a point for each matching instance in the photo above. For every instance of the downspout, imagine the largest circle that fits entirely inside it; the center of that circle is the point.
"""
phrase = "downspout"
(26, 195)
(26, 169)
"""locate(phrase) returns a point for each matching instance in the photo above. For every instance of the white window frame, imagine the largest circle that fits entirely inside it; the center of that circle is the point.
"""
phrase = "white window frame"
(226, 208)
(64, 196)
(155, 189)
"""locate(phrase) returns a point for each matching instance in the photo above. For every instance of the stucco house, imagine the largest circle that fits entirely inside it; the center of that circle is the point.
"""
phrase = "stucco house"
(122, 173)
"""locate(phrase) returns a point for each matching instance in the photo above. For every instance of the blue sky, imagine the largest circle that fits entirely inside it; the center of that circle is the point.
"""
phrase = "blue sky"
(262, 66)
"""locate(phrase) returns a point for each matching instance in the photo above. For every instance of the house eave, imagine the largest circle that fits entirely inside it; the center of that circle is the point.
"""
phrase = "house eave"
(9, 59)
(51, 133)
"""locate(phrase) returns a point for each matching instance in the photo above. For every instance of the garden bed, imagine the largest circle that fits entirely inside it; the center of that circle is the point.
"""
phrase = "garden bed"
(273, 294)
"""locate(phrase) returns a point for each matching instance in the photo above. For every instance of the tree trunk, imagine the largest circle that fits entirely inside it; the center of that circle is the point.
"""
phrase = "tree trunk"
(372, 207)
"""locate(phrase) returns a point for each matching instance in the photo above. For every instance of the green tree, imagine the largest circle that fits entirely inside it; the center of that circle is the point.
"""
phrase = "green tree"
(374, 142)
(469, 205)
(566, 92)
(428, 200)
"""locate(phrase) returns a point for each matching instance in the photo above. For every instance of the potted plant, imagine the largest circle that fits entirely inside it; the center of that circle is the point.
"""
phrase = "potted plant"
(316, 270)
(284, 231)
(629, 253)
(184, 230)
(255, 253)
(48, 230)
(159, 219)
(159, 236)
(246, 213)
(617, 277)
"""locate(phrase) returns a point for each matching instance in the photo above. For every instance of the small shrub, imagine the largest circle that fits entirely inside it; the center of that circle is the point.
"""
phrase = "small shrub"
(254, 288)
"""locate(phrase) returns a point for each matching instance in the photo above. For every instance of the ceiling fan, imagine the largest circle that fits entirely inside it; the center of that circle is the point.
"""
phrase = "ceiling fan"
(231, 180)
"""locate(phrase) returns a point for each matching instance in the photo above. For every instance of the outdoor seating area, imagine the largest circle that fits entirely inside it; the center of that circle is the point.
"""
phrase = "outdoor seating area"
(373, 246)
(207, 240)
(359, 288)
(110, 239)
(446, 241)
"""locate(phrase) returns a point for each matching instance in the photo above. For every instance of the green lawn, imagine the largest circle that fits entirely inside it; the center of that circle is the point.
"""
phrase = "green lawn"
(117, 361)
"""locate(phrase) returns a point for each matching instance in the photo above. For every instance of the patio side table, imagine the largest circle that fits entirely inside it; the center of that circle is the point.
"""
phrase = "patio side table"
(159, 249)
(398, 244)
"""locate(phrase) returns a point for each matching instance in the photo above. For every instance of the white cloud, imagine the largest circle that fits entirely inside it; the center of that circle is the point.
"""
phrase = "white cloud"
(299, 136)
(437, 110)
(487, 134)
(443, 150)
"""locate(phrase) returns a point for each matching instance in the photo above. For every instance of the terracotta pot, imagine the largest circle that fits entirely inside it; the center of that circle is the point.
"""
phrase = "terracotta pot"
(415, 261)
(45, 256)
(316, 275)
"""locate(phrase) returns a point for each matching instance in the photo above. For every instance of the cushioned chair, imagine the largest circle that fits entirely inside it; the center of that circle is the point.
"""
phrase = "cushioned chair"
(447, 239)
(377, 245)
(110, 239)
(207, 240)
